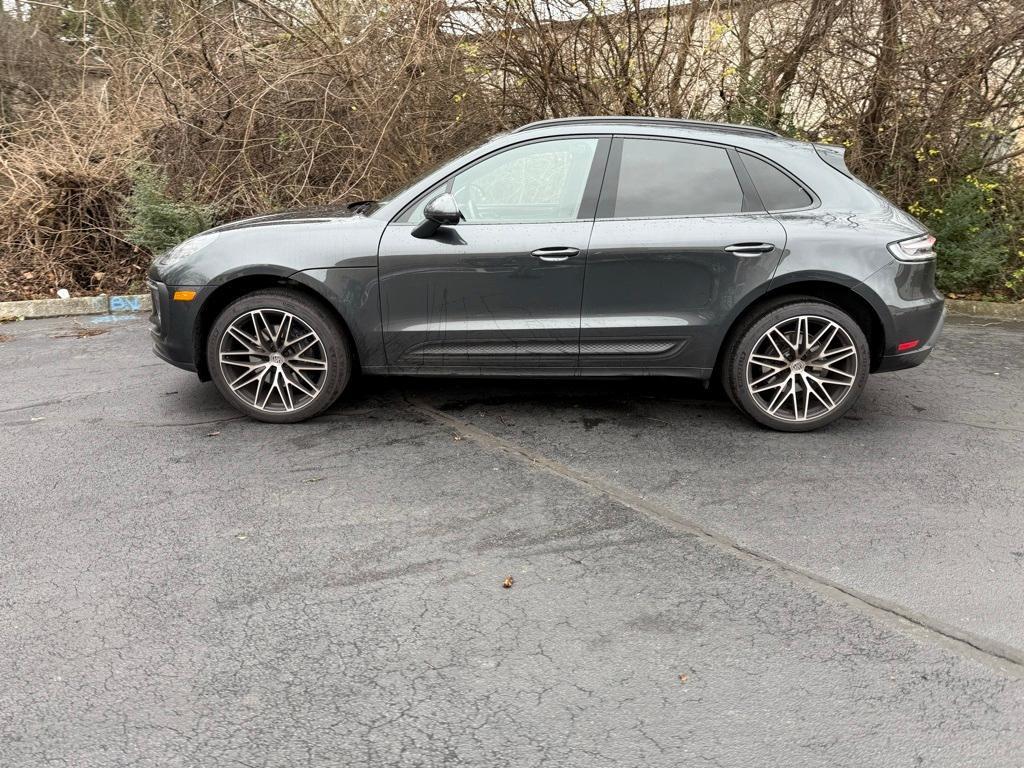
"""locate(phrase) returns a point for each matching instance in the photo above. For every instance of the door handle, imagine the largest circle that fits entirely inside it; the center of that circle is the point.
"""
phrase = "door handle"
(555, 253)
(750, 249)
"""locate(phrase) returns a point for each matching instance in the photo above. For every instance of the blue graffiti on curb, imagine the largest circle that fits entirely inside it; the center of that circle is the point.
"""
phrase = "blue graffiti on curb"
(125, 303)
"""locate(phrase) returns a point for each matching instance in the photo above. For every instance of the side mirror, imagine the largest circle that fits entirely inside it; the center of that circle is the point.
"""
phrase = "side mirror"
(439, 212)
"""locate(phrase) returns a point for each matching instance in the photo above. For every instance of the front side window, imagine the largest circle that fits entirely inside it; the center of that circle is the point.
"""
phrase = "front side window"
(531, 183)
(675, 178)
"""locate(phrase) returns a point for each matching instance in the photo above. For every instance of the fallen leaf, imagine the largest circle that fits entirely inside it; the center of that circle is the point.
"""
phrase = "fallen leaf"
(508, 582)
(4, 337)
(212, 434)
(683, 679)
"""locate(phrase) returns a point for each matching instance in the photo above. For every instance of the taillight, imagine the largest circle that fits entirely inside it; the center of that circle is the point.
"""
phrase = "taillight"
(920, 248)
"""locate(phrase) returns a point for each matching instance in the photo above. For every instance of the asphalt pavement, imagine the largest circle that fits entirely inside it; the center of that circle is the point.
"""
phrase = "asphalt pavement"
(180, 586)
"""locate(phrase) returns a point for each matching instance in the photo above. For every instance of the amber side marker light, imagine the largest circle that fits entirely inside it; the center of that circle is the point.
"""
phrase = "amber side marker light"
(184, 295)
(907, 345)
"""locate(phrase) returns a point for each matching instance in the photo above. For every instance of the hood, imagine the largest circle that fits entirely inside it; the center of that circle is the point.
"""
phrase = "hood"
(299, 216)
(279, 244)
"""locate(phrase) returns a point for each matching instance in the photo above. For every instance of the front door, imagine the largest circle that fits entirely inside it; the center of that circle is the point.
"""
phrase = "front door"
(502, 289)
(678, 241)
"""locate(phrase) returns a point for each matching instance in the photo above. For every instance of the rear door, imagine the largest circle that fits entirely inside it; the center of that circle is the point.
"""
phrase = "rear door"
(678, 240)
(502, 289)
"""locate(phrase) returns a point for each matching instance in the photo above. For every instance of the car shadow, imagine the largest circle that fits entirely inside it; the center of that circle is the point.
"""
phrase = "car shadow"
(455, 395)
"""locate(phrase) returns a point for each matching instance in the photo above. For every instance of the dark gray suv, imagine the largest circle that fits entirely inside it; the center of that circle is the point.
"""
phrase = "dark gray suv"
(576, 247)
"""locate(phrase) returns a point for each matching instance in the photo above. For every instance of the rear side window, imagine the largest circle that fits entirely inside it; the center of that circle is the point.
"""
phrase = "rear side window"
(778, 192)
(675, 178)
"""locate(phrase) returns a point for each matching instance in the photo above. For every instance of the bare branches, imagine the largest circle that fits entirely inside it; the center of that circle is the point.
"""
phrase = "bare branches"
(252, 105)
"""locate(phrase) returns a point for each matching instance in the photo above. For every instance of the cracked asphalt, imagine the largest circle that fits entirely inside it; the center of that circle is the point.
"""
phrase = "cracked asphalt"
(182, 587)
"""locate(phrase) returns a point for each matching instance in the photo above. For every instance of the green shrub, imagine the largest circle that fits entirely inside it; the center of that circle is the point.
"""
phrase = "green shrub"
(156, 221)
(977, 223)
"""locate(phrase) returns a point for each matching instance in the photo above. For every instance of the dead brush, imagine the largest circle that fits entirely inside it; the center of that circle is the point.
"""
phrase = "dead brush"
(61, 194)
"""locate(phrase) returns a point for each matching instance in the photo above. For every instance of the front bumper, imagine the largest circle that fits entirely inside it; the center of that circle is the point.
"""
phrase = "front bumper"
(172, 325)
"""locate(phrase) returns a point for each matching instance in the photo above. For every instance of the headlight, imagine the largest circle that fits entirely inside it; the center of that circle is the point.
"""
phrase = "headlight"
(920, 248)
(186, 249)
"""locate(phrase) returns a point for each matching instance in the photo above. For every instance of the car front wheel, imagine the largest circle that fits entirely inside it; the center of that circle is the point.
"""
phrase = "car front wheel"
(797, 365)
(278, 356)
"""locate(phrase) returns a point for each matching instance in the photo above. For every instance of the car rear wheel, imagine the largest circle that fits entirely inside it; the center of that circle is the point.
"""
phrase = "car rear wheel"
(797, 365)
(278, 356)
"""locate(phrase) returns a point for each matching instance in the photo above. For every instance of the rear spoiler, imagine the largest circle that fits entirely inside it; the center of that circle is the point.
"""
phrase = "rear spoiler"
(834, 156)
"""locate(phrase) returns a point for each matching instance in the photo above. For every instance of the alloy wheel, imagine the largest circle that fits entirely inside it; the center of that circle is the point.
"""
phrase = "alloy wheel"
(273, 360)
(802, 368)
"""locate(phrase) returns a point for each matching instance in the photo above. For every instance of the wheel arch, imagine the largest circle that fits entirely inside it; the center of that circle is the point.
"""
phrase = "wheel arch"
(839, 294)
(242, 284)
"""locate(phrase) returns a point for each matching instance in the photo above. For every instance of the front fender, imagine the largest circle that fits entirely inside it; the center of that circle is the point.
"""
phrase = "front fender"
(355, 295)
(277, 249)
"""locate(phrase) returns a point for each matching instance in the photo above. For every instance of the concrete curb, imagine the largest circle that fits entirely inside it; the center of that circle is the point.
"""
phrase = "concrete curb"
(85, 305)
(994, 309)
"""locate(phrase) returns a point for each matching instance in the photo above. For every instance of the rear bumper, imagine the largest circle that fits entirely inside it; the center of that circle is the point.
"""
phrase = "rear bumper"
(910, 309)
(914, 357)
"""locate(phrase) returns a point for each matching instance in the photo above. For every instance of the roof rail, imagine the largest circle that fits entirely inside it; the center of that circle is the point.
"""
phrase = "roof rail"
(665, 121)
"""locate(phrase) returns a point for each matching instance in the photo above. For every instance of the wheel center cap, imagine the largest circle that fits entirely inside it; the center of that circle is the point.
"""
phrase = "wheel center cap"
(797, 366)
(277, 359)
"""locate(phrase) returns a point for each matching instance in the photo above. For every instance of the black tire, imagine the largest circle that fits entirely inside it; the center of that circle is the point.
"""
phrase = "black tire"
(753, 334)
(336, 355)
